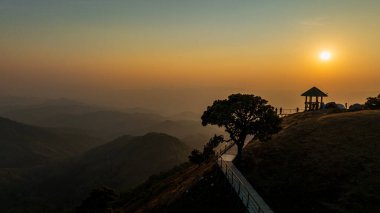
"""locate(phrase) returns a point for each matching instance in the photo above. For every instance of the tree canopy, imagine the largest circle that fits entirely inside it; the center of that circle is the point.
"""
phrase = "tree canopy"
(242, 115)
(373, 102)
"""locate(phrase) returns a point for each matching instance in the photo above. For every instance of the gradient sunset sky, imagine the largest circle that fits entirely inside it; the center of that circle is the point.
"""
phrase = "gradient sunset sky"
(182, 55)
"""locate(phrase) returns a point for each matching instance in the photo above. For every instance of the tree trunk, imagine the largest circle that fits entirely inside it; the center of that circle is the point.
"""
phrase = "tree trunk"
(240, 153)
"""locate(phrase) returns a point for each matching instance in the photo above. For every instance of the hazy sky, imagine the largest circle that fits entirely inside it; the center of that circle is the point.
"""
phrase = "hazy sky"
(187, 53)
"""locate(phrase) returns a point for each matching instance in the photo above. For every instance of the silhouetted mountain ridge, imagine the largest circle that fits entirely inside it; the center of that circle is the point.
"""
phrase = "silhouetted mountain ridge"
(23, 145)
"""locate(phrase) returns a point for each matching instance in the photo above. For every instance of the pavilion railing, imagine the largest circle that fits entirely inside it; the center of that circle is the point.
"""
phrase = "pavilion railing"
(284, 112)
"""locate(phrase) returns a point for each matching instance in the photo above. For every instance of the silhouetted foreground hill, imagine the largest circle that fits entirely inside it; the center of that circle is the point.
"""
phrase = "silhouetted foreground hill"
(121, 164)
(23, 145)
(320, 162)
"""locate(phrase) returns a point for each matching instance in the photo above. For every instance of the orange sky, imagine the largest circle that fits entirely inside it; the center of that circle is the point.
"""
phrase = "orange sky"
(97, 51)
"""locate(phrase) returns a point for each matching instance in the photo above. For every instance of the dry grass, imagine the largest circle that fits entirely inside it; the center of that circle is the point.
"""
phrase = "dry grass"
(319, 162)
(187, 189)
(173, 187)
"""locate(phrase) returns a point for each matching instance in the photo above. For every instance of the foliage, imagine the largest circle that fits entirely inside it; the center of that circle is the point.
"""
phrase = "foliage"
(98, 200)
(373, 102)
(242, 115)
(208, 149)
(196, 157)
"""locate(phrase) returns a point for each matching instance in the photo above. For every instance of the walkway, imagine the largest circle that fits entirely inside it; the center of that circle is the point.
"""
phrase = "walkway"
(247, 194)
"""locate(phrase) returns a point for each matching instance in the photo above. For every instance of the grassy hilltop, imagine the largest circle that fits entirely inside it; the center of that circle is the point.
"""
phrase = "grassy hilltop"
(319, 162)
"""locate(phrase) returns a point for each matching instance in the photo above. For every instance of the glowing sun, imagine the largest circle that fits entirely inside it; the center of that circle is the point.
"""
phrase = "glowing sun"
(325, 55)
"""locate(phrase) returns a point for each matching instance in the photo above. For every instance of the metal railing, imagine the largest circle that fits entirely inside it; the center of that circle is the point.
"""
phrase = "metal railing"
(242, 191)
(249, 201)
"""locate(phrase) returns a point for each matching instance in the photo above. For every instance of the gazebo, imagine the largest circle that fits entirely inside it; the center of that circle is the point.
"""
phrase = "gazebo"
(311, 105)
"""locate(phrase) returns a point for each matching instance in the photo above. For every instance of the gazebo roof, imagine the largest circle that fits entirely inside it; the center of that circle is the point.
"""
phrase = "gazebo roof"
(314, 92)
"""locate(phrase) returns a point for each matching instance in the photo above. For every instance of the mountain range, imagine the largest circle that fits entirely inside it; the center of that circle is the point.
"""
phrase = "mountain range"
(23, 145)
(51, 170)
(108, 124)
(54, 153)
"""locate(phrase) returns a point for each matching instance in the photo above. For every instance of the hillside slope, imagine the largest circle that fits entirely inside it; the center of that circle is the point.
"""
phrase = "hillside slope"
(130, 160)
(121, 164)
(23, 145)
(319, 162)
(188, 188)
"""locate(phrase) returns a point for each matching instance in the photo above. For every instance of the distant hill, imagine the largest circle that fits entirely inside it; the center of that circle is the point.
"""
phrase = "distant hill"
(46, 112)
(93, 120)
(190, 131)
(24, 145)
(319, 162)
(130, 160)
(105, 124)
(187, 115)
(198, 140)
(110, 124)
(137, 110)
(13, 102)
(179, 128)
(121, 164)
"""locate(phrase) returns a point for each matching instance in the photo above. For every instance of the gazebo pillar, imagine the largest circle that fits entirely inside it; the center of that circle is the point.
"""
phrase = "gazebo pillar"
(305, 103)
(310, 104)
(321, 101)
(317, 103)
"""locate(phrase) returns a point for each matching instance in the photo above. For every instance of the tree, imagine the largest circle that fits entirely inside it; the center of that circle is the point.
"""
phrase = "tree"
(373, 102)
(243, 115)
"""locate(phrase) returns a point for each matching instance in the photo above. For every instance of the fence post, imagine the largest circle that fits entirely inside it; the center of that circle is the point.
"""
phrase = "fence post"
(248, 199)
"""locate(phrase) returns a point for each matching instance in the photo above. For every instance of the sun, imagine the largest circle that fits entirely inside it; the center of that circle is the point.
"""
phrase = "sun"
(325, 55)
